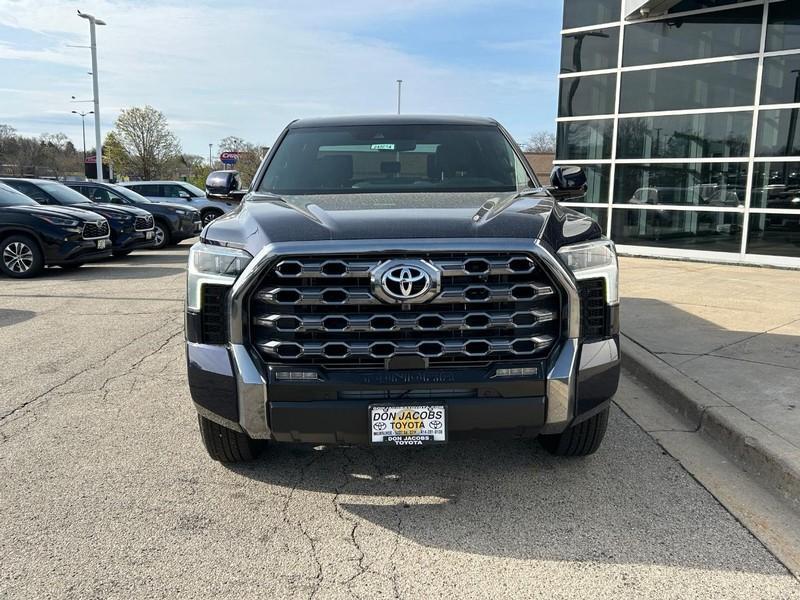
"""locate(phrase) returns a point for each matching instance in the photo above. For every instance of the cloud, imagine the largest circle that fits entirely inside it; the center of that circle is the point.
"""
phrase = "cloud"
(216, 71)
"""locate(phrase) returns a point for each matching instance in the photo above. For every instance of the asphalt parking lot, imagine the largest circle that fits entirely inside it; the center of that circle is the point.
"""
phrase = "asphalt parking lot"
(106, 491)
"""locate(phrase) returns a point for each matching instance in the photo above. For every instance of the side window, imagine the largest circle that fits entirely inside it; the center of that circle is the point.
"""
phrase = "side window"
(100, 195)
(114, 199)
(147, 190)
(32, 191)
(175, 191)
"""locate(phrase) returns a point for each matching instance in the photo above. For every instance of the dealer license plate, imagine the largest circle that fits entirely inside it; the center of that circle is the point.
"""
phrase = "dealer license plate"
(101, 244)
(408, 425)
(149, 235)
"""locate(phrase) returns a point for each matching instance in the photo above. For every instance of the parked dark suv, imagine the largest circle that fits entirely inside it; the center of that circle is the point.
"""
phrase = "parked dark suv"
(173, 222)
(403, 281)
(185, 194)
(34, 236)
(131, 228)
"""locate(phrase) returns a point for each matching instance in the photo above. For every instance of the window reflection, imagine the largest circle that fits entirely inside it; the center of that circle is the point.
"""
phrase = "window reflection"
(783, 31)
(781, 82)
(682, 184)
(590, 50)
(731, 83)
(778, 133)
(709, 231)
(584, 140)
(685, 136)
(587, 95)
(776, 185)
(580, 13)
(704, 35)
(774, 235)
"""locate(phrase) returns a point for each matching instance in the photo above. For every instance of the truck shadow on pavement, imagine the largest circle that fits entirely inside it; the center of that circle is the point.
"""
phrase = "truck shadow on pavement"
(627, 504)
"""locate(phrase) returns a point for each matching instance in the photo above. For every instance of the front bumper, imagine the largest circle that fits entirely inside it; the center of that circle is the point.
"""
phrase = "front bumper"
(232, 385)
(234, 388)
(133, 240)
(74, 250)
(188, 226)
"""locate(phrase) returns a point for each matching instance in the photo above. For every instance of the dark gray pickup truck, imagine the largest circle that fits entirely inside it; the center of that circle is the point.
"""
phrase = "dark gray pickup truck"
(402, 281)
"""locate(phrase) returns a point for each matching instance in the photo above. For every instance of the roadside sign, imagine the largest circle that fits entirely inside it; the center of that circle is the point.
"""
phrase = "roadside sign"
(229, 158)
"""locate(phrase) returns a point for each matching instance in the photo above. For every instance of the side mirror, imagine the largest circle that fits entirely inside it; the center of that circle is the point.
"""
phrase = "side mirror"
(222, 184)
(568, 183)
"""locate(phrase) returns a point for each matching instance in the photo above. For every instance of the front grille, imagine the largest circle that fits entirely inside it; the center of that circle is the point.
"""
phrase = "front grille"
(143, 223)
(93, 231)
(594, 320)
(490, 307)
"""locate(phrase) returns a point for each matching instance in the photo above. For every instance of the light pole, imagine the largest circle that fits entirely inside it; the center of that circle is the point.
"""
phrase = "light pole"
(210, 160)
(399, 90)
(93, 21)
(83, 125)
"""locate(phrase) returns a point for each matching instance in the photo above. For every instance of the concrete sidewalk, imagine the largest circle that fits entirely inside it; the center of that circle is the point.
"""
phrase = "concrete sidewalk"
(721, 344)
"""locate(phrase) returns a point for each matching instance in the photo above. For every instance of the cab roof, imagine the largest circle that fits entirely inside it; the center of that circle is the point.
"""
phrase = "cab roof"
(391, 120)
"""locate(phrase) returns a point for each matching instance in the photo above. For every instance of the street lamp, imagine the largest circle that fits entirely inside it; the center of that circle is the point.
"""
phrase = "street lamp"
(210, 160)
(83, 125)
(399, 89)
(93, 21)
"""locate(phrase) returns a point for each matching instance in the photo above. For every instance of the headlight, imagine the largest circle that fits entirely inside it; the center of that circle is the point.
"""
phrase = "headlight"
(212, 264)
(594, 260)
(60, 221)
(181, 212)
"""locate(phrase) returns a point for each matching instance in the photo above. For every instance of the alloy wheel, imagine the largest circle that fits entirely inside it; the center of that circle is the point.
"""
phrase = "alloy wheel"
(18, 257)
(210, 216)
(160, 236)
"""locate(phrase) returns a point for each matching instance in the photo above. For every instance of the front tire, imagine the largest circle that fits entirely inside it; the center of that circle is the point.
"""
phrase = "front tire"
(210, 214)
(226, 445)
(20, 257)
(162, 235)
(582, 439)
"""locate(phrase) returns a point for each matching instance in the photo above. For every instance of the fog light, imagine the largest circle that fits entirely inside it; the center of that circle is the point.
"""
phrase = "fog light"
(517, 372)
(296, 376)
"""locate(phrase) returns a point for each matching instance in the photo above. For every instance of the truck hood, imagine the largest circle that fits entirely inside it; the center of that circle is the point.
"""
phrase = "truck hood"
(264, 219)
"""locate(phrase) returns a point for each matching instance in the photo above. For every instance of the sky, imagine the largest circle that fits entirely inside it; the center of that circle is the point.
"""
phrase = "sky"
(249, 67)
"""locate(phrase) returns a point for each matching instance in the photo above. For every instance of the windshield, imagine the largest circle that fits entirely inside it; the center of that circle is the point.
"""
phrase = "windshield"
(11, 197)
(394, 158)
(63, 194)
(196, 191)
(128, 193)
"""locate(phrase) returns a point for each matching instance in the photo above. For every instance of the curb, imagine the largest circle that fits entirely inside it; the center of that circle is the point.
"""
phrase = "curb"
(759, 451)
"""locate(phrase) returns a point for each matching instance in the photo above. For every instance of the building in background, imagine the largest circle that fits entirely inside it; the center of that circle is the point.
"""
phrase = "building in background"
(684, 114)
(542, 164)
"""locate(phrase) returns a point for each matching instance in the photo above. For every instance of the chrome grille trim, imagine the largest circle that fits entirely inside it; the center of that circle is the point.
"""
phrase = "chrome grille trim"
(469, 321)
(143, 223)
(471, 294)
(336, 268)
(96, 231)
(382, 349)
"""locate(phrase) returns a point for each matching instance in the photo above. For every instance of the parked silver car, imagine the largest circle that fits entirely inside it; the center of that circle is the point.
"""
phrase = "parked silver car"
(180, 192)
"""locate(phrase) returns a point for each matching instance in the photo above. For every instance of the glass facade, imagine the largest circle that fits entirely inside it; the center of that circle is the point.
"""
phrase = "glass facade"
(687, 125)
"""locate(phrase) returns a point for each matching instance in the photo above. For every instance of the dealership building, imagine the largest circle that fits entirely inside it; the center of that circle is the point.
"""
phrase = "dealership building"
(684, 115)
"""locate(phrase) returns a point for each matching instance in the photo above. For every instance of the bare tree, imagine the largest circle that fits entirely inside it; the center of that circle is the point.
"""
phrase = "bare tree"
(145, 136)
(543, 142)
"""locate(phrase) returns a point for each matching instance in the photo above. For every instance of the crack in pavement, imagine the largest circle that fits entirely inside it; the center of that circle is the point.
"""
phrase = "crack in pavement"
(27, 407)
